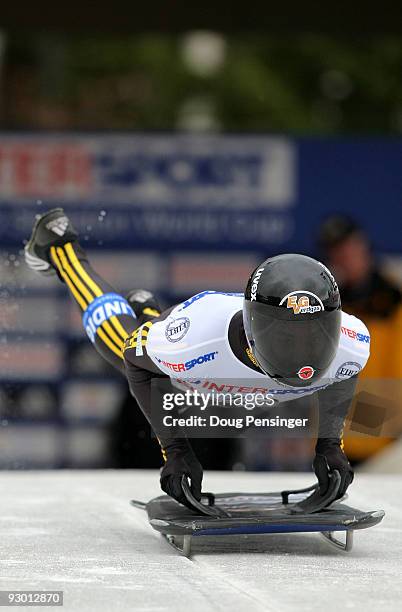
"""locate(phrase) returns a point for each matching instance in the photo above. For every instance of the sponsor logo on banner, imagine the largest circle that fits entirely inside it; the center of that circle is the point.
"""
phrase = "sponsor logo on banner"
(177, 329)
(306, 372)
(173, 190)
(351, 333)
(347, 370)
(301, 302)
(102, 309)
(254, 285)
(164, 170)
(188, 365)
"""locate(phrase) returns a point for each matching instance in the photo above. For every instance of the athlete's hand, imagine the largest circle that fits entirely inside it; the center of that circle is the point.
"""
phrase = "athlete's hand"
(181, 460)
(329, 457)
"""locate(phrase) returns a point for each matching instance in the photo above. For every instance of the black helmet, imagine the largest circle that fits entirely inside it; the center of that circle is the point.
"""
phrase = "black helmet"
(292, 318)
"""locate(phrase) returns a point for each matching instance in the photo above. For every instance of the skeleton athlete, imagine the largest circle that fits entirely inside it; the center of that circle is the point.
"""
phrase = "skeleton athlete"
(286, 336)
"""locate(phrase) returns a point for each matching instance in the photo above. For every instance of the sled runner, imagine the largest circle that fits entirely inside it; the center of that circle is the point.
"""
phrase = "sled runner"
(302, 510)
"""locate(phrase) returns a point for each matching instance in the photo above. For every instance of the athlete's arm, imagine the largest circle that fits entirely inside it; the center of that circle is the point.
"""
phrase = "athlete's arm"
(334, 404)
(147, 384)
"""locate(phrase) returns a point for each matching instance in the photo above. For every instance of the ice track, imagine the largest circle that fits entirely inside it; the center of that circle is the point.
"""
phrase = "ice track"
(76, 532)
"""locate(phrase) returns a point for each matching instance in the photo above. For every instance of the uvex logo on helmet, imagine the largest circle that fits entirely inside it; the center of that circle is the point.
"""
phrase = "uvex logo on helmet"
(254, 285)
(300, 300)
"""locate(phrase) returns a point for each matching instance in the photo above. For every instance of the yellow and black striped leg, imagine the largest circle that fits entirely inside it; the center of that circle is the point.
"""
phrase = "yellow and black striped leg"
(110, 318)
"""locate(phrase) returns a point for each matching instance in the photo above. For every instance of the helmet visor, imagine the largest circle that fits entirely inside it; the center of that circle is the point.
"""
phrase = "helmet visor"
(295, 350)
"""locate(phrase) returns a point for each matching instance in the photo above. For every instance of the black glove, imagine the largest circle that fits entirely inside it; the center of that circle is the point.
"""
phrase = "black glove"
(329, 457)
(181, 460)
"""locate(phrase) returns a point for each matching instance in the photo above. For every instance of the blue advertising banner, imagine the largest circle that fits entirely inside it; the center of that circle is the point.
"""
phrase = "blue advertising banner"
(262, 193)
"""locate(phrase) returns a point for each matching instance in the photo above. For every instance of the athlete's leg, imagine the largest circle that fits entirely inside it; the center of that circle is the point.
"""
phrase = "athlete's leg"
(108, 318)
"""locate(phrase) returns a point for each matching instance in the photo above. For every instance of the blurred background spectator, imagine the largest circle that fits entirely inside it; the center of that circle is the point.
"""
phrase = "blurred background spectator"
(371, 294)
(367, 292)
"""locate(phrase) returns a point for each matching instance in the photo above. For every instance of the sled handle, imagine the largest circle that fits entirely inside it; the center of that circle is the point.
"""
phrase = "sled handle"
(206, 510)
(316, 502)
(210, 498)
(285, 494)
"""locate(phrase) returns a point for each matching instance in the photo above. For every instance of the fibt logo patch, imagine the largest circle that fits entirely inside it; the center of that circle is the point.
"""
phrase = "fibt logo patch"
(254, 285)
(302, 302)
(306, 372)
(347, 370)
(177, 329)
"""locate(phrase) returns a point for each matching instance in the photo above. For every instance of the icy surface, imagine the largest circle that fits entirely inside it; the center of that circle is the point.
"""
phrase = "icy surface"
(76, 532)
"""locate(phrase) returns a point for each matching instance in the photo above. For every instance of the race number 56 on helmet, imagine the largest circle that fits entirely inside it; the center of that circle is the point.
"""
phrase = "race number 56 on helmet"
(292, 318)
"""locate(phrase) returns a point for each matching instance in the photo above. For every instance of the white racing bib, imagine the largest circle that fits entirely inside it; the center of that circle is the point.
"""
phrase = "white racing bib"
(191, 346)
